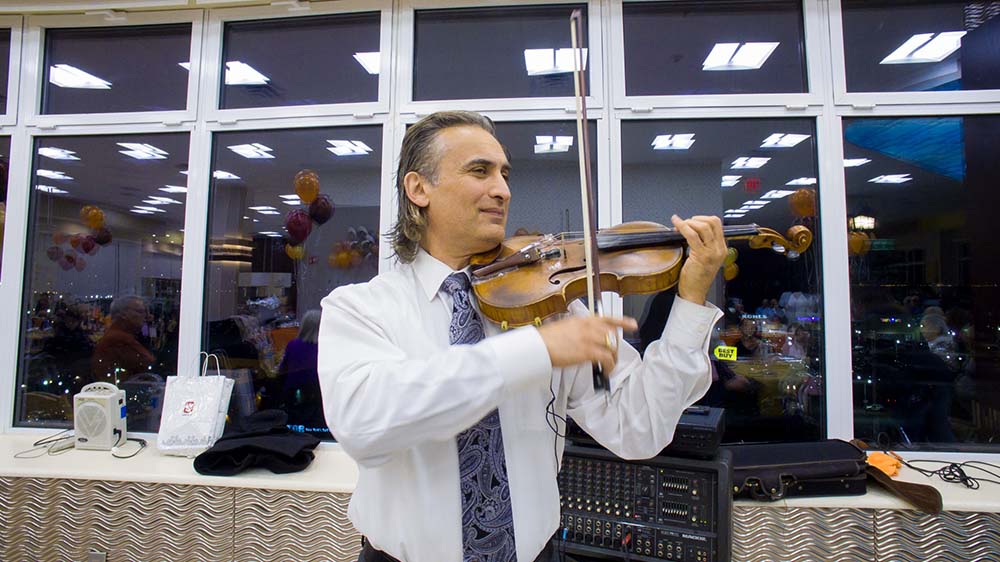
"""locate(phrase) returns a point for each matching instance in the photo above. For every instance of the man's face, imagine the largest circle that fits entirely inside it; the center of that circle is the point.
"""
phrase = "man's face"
(467, 207)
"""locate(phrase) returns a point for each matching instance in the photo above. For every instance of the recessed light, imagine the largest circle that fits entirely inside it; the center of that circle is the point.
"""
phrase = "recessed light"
(348, 148)
(802, 181)
(545, 144)
(174, 189)
(747, 162)
(142, 151)
(891, 178)
(926, 48)
(51, 189)
(776, 194)
(730, 181)
(540, 62)
(783, 140)
(53, 175)
(242, 74)
(681, 141)
(854, 162)
(57, 153)
(370, 61)
(738, 56)
(66, 76)
(259, 208)
(252, 151)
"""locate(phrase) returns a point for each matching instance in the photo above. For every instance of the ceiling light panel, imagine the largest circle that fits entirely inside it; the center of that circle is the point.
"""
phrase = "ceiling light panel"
(891, 178)
(783, 140)
(925, 48)
(802, 181)
(57, 153)
(681, 141)
(66, 76)
(748, 162)
(540, 62)
(142, 151)
(370, 61)
(242, 74)
(252, 151)
(348, 148)
(53, 175)
(738, 56)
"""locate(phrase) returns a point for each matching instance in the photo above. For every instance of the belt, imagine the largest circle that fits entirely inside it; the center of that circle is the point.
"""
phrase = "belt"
(370, 554)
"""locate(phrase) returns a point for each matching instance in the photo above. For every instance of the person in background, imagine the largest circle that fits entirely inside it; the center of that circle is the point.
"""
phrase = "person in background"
(70, 346)
(119, 354)
(302, 397)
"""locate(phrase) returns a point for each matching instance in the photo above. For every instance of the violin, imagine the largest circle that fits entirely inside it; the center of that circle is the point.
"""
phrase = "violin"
(529, 278)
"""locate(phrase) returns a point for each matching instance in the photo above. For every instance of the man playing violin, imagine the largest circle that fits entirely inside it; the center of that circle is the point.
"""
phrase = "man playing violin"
(444, 413)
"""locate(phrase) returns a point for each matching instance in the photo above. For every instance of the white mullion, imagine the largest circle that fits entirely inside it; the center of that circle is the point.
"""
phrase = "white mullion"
(193, 285)
(920, 110)
(12, 275)
(361, 110)
(33, 71)
(15, 23)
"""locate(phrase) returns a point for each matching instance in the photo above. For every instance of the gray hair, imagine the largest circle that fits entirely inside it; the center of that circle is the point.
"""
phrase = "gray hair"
(309, 328)
(120, 305)
(420, 154)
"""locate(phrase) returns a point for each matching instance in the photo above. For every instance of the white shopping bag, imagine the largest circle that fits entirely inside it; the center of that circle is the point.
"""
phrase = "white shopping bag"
(194, 411)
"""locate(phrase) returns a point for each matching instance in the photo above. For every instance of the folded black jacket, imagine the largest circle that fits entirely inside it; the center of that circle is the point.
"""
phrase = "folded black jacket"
(261, 440)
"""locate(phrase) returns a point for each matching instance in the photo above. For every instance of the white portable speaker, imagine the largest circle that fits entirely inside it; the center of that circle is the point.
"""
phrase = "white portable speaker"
(99, 416)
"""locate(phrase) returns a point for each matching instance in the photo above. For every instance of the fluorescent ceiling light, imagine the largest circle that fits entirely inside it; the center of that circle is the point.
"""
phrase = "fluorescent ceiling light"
(53, 175)
(185, 65)
(291, 201)
(267, 232)
(730, 181)
(925, 48)
(150, 209)
(164, 200)
(783, 140)
(260, 208)
(673, 142)
(802, 181)
(253, 151)
(267, 213)
(66, 76)
(748, 162)
(57, 153)
(222, 175)
(545, 144)
(371, 61)
(289, 196)
(142, 151)
(760, 202)
(51, 189)
(539, 62)
(752, 207)
(853, 162)
(242, 74)
(776, 194)
(738, 56)
(891, 178)
(174, 189)
(348, 148)
(141, 212)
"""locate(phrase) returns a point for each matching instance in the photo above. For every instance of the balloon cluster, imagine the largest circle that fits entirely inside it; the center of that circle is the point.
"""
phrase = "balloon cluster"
(299, 222)
(360, 245)
(729, 268)
(80, 243)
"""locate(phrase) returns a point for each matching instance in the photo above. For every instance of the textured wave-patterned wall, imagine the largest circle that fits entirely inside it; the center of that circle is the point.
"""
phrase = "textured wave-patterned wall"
(906, 536)
(772, 534)
(300, 526)
(60, 520)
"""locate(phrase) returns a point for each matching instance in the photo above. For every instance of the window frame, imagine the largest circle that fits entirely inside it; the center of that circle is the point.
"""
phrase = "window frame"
(874, 100)
(34, 59)
(212, 67)
(813, 23)
(404, 62)
(14, 23)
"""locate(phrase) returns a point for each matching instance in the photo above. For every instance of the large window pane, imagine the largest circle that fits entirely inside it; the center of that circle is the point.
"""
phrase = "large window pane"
(301, 61)
(110, 70)
(684, 48)
(774, 389)
(916, 46)
(545, 180)
(4, 166)
(509, 52)
(4, 68)
(262, 312)
(102, 273)
(925, 309)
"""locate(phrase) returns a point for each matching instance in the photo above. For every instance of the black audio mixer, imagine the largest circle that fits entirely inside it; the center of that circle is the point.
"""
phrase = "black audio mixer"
(664, 508)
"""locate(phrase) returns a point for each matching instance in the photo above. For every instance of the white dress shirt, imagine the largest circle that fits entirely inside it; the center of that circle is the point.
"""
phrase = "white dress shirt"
(396, 394)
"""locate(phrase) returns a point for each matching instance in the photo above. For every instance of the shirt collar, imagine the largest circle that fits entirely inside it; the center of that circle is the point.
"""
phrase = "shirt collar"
(431, 272)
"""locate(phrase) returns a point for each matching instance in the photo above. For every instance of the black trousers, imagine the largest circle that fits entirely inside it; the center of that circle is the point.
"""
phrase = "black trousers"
(369, 554)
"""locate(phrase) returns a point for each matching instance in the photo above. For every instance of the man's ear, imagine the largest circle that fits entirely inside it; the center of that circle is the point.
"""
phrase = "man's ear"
(416, 189)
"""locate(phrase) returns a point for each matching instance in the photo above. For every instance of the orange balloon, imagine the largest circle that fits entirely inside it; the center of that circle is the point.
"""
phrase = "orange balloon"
(803, 203)
(858, 243)
(85, 211)
(307, 186)
(730, 271)
(295, 252)
(75, 240)
(95, 219)
(343, 260)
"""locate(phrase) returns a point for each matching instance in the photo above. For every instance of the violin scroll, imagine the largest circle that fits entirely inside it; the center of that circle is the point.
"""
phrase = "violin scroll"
(796, 240)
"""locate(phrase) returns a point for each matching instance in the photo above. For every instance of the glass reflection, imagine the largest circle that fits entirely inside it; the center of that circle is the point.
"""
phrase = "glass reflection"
(4, 166)
(512, 52)
(4, 68)
(102, 277)
(920, 46)
(924, 303)
(285, 229)
(750, 171)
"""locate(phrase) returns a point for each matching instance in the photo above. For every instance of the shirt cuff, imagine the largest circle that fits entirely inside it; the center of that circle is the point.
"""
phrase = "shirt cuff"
(521, 358)
(690, 324)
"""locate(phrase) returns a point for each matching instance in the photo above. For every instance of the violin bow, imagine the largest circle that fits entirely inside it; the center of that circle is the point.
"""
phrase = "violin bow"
(586, 185)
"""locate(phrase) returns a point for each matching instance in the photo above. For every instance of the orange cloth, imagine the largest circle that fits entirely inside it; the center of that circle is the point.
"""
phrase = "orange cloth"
(885, 463)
